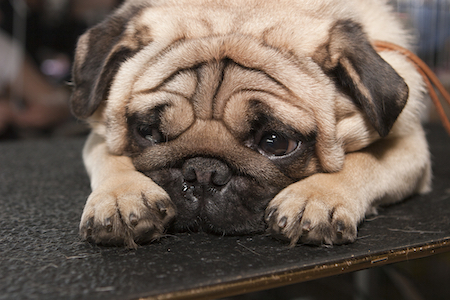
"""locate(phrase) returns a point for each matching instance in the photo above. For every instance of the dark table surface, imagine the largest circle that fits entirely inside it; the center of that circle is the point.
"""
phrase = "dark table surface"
(43, 187)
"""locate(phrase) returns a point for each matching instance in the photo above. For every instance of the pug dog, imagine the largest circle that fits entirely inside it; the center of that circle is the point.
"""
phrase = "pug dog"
(240, 117)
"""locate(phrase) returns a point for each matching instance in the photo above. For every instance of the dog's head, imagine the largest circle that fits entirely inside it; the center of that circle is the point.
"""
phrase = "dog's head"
(223, 106)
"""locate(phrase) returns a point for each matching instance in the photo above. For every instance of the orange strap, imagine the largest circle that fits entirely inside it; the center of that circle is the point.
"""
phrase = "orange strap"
(428, 76)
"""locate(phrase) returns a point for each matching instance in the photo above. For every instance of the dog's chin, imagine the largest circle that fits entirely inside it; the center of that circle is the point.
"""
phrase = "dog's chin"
(234, 208)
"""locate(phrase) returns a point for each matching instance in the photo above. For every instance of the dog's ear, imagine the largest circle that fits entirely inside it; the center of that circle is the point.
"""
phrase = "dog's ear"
(98, 56)
(358, 70)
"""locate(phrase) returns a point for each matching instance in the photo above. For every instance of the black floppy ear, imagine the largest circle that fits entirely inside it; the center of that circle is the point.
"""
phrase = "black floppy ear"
(358, 70)
(98, 56)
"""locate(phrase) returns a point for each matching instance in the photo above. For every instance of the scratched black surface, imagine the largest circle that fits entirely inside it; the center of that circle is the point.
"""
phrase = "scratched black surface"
(43, 187)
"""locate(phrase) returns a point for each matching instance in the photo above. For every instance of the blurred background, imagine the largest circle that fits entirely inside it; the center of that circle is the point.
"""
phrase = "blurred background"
(429, 22)
(37, 40)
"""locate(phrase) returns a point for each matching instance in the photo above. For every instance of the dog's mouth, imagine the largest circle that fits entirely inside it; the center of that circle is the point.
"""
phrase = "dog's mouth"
(210, 196)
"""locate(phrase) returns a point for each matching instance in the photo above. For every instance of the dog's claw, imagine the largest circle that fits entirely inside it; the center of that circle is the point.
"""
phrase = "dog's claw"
(340, 229)
(306, 227)
(108, 225)
(270, 214)
(282, 222)
(133, 220)
(88, 227)
(162, 208)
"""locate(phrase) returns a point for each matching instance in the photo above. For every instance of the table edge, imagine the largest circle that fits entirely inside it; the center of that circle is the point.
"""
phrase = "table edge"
(287, 277)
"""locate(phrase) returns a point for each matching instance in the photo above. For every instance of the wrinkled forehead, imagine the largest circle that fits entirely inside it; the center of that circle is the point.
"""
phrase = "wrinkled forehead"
(222, 78)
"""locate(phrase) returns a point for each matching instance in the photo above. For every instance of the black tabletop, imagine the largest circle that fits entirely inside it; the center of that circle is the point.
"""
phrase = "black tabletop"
(43, 187)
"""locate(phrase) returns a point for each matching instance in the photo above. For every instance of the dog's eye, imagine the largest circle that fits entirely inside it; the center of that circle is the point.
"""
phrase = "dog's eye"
(150, 133)
(274, 144)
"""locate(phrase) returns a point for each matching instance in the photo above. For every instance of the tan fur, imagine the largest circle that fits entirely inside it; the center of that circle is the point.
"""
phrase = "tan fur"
(280, 53)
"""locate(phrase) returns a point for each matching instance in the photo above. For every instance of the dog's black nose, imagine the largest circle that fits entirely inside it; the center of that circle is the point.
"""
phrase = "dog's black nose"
(206, 171)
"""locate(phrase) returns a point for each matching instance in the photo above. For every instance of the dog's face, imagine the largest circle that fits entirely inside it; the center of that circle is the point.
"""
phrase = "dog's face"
(222, 147)
(224, 104)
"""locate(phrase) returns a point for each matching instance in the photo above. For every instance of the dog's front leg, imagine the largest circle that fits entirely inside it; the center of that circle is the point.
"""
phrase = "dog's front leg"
(125, 206)
(327, 208)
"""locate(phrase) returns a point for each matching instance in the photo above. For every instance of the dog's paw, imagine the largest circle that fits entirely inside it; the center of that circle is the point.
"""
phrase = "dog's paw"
(314, 214)
(129, 210)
